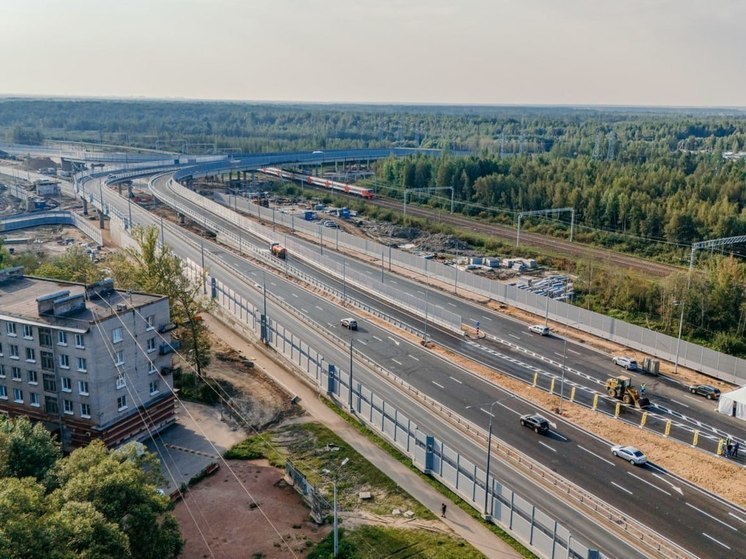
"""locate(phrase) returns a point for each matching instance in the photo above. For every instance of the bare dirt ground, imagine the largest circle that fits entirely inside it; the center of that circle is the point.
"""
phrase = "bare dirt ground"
(255, 516)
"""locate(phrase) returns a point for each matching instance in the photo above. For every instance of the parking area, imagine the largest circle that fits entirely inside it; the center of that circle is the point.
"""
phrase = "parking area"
(184, 449)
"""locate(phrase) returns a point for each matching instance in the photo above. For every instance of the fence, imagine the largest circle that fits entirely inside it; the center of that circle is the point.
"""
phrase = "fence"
(25, 221)
(719, 365)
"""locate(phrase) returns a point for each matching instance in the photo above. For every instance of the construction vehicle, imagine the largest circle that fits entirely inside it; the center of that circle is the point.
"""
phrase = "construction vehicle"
(621, 388)
(278, 250)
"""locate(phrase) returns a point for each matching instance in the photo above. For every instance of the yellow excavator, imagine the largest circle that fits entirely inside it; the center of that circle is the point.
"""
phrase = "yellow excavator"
(621, 388)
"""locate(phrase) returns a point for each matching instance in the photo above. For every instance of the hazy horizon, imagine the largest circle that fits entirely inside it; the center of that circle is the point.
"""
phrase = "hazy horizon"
(575, 53)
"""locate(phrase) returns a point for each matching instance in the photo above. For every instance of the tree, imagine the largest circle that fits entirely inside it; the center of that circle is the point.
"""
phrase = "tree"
(75, 265)
(22, 505)
(122, 487)
(79, 531)
(26, 449)
(155, 269)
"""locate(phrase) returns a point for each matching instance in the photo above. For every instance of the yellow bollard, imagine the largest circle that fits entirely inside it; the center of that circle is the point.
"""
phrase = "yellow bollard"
(668, 428)
(595, 402)
(551, 387)
(695, 439)
(536, 379)
(721, 444)
(572, 394)
(618, 409)
(644, 419)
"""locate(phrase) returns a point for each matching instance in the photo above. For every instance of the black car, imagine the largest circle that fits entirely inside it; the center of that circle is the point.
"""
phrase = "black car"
(709, 392)
(535, 422)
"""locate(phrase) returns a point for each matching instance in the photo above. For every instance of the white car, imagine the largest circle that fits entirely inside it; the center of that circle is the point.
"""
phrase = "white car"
(633, 455)
(350, 323)
(539, 329)
(626, 362)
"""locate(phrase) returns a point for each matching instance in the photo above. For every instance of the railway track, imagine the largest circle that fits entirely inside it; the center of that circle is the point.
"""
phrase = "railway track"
(536, 240)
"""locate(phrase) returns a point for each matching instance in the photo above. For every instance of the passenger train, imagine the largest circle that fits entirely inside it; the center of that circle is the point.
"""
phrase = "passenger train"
(366, 193)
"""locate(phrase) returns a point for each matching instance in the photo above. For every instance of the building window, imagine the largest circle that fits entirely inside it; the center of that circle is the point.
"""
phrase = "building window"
(47, 361)
(18, 395)
(121, 382)
(50, 405)
(16, 373)
(119, 358)
(79, 341)
(45, 337)
(30, 355)
(64, 361)
(151, 345)
(61, 337)
(85, 411)
(122, 402)
(14, 352)
(2, 371)
(150, 321)
(28, 332)
(153, 368)
(83, 387)
(32, 377)
(67, 407)
(3, 392)
(1, 350)
(82, 364)
(10, 327)
(50, 383)
(154, 388)
(116, 335)
(67, 384)
(34, 399)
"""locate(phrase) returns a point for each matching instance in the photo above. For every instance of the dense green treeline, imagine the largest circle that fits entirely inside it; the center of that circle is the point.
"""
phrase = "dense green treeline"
(679, 197)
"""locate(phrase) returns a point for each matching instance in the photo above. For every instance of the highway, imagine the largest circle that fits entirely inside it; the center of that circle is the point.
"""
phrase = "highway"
(678, 511)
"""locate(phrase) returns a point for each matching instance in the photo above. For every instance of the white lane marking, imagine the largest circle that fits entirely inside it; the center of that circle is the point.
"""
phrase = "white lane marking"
(677, 402)
(556, 434)
(377, 338)
(675, 488)
(549, 447)
(273, 283)
(304, 310)
(393, 281)
(650, 484)
(318, 307)
(558, 354)
(455, 380)
(715, 518)
(514, 336)
(488, 413)
(737, 517)
(294, 294)
(413, 357)
(395, 361)
(454, 306)
(393, 340)
(360, 342)
(421, 292)
(330, 325)
(622, 488)
(715, 540)
(487, 318)
(438, 385)
(573, 351)
(596, 455)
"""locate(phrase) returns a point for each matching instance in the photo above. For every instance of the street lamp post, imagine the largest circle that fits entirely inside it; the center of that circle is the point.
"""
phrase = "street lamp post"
(487, 509)
(350, 387)
(336, 532)
(427, 291)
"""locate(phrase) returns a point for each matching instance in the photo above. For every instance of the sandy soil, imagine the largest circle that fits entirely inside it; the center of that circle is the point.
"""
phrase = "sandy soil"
(246, 510)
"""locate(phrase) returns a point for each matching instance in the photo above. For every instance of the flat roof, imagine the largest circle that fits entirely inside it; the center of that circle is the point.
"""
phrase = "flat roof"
(18, 302)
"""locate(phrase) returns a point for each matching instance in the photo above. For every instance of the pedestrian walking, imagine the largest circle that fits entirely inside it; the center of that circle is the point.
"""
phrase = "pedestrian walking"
(443, 510)
(728, 450)
(735, 449)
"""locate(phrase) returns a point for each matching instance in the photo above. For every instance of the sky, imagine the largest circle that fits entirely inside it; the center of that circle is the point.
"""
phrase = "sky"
(517, 52)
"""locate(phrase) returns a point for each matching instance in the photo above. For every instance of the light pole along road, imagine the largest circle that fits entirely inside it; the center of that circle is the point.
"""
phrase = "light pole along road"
(584, 464)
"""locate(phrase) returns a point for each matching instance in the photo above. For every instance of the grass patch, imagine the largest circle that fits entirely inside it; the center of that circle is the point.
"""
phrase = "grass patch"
(442, 489)
(374, 542)
(318, 452)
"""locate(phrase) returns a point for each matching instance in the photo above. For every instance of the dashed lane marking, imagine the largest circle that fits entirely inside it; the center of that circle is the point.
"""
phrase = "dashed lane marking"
(715, 518)
(717, 541)
(456, 380)
(609, 462)
(397, 362)
(438, 385)
(615, 484)
(547, 446)
(487, 318)
(514, 336)
(413, 357)
(573, 351)
(650, 484)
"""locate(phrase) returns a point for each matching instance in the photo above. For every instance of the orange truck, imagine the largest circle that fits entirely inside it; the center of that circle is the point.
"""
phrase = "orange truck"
(278, 250)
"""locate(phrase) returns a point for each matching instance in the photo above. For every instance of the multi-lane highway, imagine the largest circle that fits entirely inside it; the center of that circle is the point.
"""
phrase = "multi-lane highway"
(677, 510)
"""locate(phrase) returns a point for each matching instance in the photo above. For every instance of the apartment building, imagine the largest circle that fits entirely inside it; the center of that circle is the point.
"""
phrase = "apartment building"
(89, 361)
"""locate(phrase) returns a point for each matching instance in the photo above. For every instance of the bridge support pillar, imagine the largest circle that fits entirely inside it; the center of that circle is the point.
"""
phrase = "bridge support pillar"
(85, 206)
(100, 219)
(182, 219)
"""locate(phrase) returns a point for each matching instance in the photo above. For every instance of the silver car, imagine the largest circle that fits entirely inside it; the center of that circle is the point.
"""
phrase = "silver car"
(631, 454)
(626, 362)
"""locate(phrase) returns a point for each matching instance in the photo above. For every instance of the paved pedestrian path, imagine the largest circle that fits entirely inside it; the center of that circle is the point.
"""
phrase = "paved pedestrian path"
(456, 519)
